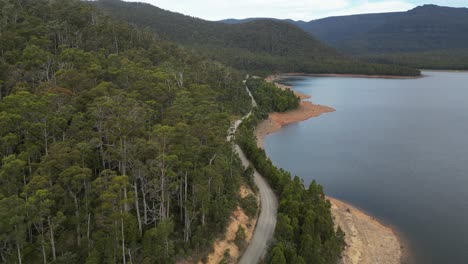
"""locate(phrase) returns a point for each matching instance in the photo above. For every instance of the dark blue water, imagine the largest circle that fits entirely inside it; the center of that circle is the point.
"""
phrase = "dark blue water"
(396, 148)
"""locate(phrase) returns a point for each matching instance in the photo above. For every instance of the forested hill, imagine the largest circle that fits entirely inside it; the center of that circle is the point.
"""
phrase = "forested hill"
(424, 28)
(428, 36)
(259, 46)
(335, 30)
(112, 142)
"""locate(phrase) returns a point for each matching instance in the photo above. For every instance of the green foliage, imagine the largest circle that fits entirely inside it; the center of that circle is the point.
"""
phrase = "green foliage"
(277, 255)
(454, 59)
(157, 246)
(260, 46)
(249, 205)
(240, 238)
(272, 99)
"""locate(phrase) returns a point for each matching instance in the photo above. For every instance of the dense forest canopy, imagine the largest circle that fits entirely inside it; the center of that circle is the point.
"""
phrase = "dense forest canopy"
(261, 46)
(112, 142)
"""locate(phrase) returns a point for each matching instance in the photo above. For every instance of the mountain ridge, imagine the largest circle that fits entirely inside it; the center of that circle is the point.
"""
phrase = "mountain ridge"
(260, 46)
(420, 33)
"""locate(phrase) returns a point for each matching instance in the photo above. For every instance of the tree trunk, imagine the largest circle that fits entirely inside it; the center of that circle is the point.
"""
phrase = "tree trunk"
(18, 250)
(145, 205)
(168, 207)
(137, 208)
(186, 217)
(88, 232)
(78, 225)
(130, 258)
(162, 209)
(44, 256)
(46, 141)
(123, 146)
(123, 240)
(52, 239)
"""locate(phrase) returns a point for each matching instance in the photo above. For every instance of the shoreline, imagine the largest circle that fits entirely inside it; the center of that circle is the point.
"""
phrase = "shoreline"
(368, 240)
(455, 71)
(293, 74)
(276, 121)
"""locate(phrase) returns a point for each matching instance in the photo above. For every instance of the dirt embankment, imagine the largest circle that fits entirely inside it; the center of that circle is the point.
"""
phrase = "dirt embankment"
(227, 244)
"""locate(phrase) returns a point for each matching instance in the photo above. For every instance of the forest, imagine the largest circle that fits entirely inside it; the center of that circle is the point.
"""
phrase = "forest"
(112, 141)
(305, 231)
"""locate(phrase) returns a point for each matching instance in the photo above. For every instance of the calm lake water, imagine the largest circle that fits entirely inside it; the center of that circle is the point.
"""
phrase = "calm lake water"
(396, 148)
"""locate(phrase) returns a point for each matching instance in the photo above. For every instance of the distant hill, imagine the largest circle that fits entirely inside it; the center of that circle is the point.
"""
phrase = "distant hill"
(258, 45)
(336, 30)
(426, 28)
(428, 36)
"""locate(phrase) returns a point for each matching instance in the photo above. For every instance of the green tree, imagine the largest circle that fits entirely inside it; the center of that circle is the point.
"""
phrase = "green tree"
(157, 244)
(277, 255)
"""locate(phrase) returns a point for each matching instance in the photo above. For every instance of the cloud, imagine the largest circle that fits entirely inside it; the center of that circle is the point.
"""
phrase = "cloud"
(294, 9)
(221, 9)
(366, 7)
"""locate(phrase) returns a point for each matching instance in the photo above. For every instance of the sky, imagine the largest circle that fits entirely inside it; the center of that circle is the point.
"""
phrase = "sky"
(295, 9)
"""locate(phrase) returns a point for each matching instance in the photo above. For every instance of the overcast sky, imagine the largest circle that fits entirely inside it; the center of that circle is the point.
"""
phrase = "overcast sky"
(294, 9)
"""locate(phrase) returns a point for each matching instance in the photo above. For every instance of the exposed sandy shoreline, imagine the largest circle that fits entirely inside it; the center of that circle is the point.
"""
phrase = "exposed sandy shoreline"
(368, 241)
(276, 121)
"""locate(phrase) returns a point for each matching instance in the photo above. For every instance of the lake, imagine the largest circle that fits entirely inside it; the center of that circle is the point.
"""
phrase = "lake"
(396, 148)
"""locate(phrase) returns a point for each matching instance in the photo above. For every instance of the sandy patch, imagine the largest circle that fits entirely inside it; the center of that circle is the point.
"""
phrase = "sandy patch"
(245, 191)
(276, 121)
(238, 217)
(368, 240)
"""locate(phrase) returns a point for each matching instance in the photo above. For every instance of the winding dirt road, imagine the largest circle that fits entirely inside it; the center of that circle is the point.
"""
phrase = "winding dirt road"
(266, 222)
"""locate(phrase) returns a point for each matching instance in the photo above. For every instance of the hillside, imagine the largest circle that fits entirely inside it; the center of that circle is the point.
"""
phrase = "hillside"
(112, 142)
(258, 46)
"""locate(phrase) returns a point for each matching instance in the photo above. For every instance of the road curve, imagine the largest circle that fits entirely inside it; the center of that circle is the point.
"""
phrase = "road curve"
(266, 221)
